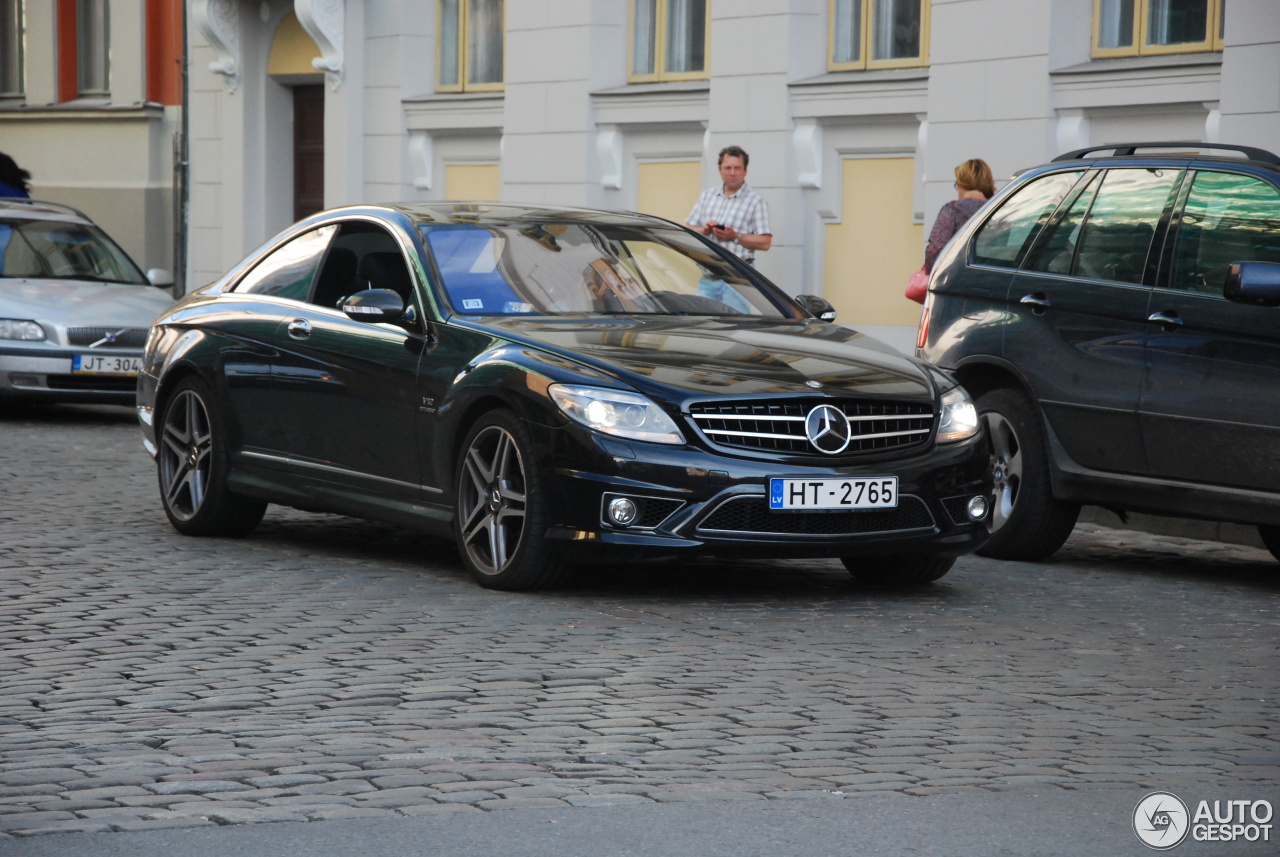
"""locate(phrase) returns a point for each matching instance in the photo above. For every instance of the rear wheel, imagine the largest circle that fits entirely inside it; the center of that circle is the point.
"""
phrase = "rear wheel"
(192, 466)
(900, 570)
(1271, 538)
(500, 523)
(1027, 522)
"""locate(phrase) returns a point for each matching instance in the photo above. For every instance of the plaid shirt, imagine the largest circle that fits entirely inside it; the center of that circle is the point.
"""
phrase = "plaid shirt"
(745, 211)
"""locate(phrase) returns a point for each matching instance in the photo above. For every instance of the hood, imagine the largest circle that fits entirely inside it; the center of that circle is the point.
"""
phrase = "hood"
(76, 303)
(702, 356)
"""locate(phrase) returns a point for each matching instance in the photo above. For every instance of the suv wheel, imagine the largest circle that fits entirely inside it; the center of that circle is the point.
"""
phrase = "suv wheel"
(1027, 523)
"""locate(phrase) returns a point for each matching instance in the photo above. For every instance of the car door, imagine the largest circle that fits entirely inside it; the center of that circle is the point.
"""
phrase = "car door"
(269, 290)
(1208, 408)
(345, 390)
(1078, 312)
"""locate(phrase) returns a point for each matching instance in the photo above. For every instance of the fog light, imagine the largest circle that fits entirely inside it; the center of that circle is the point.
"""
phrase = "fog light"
(25, 381)
(977, 508)
(622, 512)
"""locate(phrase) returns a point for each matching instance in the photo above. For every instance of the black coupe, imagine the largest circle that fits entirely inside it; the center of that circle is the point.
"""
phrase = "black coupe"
(550, 386)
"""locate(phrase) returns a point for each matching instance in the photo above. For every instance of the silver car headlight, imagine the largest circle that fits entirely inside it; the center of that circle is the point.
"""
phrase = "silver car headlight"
(21, 328)
(959, 416)
(617, 413)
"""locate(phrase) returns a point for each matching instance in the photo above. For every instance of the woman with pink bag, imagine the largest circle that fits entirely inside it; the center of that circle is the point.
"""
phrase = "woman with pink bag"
(974, 185)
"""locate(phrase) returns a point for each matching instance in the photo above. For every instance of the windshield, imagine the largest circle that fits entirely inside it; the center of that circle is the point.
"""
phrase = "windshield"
(571, 268)
(56, 249)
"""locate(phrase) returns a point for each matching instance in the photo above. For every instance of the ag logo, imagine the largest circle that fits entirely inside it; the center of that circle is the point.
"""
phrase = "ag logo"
(827, 429)
(1161, 820)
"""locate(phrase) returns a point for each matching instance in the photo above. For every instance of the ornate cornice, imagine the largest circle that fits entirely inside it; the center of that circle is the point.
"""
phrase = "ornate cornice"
(219, 22)
(324, 20)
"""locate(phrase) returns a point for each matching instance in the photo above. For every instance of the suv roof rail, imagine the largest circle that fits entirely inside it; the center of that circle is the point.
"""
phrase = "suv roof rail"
(20, 200)
(1250, 152)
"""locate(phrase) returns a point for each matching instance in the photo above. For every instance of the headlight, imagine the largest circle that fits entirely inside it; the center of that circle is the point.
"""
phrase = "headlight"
(18, 328)
(617, 413)
(959, 417)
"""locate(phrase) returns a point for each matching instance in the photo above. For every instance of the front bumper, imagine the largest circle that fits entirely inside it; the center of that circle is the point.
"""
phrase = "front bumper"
(692, 501)
(46, 374)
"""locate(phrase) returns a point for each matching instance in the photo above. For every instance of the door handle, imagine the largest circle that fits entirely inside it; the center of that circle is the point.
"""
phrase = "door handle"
(1038, 303)
(299, 328)
(1167, 319)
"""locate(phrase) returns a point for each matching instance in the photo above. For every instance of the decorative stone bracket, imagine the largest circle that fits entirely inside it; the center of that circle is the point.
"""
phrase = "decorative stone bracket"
(219, 22)
(323, 21)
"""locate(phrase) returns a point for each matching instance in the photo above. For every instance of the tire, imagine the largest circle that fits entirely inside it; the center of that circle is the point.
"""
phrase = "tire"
(500, 520)
(1271, 538)
(900, 570)
(1027, 521)
(192, 466)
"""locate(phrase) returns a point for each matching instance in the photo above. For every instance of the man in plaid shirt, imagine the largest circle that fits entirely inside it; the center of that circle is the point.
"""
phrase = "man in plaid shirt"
(734, 215)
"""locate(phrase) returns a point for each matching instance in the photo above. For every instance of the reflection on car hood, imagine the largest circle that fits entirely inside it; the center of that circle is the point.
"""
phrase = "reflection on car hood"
(76, 303)
(718, 357)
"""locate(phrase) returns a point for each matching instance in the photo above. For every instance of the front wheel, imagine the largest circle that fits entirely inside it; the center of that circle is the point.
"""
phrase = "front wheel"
(899, 570)
(500, 521)
(192, 466)
(1027, 522)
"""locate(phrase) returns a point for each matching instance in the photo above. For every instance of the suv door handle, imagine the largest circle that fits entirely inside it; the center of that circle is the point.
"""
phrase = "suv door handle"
(1167, 319)
(299, 328)
(1038, 302)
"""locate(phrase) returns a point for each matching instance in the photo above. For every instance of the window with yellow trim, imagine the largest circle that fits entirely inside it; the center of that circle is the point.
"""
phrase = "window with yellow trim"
(878, 34)
(669, 39)
(470, 45)
(10, 47)
(1141, 27)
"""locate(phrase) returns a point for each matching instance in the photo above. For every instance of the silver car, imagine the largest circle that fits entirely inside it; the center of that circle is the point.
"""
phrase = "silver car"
(74, 308)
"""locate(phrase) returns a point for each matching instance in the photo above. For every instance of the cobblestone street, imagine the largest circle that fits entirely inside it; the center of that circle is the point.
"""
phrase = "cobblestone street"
(328, 668)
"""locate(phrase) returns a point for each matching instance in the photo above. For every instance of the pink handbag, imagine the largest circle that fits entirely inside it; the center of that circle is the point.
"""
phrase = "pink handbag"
(918, 286)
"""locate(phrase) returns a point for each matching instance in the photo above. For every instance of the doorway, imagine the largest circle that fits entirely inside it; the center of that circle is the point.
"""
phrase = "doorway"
(308, 150)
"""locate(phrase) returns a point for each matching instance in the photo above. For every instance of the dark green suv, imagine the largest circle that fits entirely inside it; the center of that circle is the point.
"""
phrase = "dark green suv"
(1116, 314)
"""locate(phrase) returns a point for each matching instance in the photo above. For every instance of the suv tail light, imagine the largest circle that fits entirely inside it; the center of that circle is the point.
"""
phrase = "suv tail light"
(922, 334)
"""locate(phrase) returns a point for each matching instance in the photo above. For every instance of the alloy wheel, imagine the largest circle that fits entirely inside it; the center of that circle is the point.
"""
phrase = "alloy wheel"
(185, 455)
(1008, 467)
(492, 500)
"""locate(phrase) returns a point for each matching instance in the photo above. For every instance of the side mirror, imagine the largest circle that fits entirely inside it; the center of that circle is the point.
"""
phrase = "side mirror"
(160, 277)
(817, 307)
(374, 305)
(1255, 283)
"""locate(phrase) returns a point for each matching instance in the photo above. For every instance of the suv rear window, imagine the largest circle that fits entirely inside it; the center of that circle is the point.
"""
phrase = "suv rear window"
(1003, 240)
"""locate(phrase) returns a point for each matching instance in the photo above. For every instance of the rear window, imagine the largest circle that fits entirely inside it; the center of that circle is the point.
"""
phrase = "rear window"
(1004, 239)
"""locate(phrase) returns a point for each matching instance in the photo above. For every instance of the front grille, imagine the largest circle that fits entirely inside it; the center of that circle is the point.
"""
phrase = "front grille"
(751, 515)
(109, 383)
(778, 426)
(129, 337)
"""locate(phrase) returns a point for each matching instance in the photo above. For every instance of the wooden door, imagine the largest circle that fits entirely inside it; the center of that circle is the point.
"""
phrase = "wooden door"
(308, 150)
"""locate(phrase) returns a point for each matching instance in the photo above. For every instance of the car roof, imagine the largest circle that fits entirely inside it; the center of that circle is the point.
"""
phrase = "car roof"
(1181, 151)
(496, 213)
(41, 209)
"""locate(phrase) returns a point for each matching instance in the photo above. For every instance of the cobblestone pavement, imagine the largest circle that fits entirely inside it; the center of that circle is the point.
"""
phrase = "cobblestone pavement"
(328, 668)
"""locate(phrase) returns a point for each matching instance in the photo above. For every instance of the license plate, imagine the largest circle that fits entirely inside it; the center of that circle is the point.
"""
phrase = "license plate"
(105, 364)
(877, 492)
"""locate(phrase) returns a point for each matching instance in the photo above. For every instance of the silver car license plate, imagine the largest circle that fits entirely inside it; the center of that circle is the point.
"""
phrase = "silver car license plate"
(876, 492)
(105, 364)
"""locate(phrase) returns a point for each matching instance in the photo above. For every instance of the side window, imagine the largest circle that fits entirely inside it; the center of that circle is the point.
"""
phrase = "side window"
(1055, 252)
(1003, 240)
(1227, 218)
(363, 256)
(1117, 232)
(288, 270)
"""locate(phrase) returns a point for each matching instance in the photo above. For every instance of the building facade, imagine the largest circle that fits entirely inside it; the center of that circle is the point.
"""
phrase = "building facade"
(90, 105)
(854, 112)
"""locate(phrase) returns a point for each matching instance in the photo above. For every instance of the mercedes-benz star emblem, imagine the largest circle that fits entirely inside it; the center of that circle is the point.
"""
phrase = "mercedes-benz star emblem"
(827, 429)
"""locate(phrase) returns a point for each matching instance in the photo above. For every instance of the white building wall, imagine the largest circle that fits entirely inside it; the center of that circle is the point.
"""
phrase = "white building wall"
(1010, 81)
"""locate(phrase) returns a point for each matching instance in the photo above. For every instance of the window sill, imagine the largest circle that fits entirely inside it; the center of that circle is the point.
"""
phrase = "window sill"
(1106, 65)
